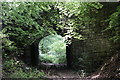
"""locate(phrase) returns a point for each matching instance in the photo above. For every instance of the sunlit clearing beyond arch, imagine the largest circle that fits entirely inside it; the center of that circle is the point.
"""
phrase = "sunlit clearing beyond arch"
(52, 49)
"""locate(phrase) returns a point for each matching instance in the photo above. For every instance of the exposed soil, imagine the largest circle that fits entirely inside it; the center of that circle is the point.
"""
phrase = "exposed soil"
(111, 69)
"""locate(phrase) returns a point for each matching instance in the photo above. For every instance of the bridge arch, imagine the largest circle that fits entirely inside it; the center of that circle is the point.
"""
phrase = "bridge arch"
(32, 51)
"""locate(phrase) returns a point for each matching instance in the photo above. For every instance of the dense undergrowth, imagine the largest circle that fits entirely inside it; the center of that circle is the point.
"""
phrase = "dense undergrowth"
(14, 68)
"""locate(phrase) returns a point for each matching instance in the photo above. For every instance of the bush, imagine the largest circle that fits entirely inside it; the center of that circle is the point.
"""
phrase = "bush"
(32, 73)
(17, 69)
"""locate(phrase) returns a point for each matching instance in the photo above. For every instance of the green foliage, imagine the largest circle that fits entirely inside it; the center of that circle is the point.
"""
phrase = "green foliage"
(16, 69)
(25, 22)
(9, 65)
(6, 43)
(52, 49)
(34, 73)
(114, 26)
(75, 17)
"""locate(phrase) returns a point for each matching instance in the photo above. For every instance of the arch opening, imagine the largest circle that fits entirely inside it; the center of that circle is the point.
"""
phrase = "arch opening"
(52, 50)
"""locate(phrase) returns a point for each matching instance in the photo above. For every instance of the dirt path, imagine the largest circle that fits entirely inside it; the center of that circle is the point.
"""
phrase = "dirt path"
(59, 71)
(64, 73)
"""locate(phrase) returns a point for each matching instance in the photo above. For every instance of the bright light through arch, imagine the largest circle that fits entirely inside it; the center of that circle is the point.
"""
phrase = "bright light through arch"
(52, 49)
